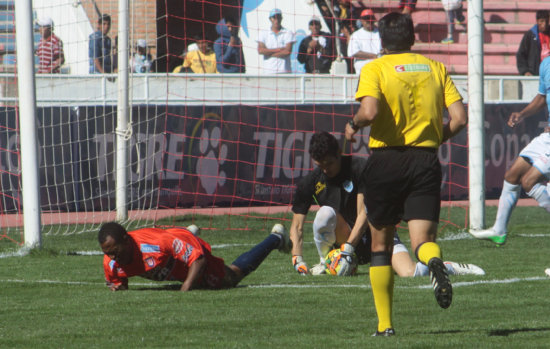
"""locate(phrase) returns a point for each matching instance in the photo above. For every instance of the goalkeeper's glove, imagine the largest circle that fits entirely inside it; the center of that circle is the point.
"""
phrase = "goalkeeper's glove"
(299, 265)
(346, 260)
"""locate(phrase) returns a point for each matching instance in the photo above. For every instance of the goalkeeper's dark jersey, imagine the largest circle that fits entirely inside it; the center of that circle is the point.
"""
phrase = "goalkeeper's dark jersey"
(339, 192)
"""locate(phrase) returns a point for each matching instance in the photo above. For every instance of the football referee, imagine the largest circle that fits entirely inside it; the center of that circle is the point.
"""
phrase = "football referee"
(402, 96)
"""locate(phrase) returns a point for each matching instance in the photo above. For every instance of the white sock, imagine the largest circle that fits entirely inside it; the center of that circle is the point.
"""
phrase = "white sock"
(540, 193)
(506, 203)
(324, 226)
(422, 269)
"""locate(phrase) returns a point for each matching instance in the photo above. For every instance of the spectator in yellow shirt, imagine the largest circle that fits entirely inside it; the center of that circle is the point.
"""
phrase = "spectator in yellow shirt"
(201, 61)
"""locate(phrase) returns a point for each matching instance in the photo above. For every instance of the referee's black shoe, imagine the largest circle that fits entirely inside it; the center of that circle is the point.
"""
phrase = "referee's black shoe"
(388, 332)
(441, 284)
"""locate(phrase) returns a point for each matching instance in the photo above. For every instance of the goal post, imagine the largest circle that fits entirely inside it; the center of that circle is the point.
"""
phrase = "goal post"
(28, 125)
(476, 113)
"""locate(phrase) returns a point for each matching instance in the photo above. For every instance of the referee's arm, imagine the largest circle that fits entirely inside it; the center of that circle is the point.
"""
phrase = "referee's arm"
(457, 120)
(368, 111)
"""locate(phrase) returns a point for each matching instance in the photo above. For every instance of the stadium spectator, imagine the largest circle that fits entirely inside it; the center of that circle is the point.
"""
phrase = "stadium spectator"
(364, 44)
(453, 10)
(199, 61)
(407, 6)
(99, 49)
(141, 60)
(275, 45)
(177, 255)
(50, 48)
(533, 45)
(530, 170)
(335, 185)
(344, 37)
(402, 178)
(316, 50)
(347, 13)
(228, 47)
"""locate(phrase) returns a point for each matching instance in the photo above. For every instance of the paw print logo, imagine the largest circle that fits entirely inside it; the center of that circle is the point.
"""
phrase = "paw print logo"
(208, 166)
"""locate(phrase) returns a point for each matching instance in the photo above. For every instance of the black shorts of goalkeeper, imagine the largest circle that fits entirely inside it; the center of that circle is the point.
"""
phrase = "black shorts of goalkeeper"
(402, 183)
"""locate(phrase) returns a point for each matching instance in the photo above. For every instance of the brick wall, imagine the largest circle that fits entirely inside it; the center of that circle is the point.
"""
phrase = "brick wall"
(142, 21)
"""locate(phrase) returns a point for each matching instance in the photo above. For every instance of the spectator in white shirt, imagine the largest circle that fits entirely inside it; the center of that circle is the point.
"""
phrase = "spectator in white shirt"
(365, 44)
(276, 45)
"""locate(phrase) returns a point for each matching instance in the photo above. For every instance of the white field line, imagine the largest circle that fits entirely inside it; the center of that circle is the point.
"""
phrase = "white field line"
(449, 237)
(365, 286)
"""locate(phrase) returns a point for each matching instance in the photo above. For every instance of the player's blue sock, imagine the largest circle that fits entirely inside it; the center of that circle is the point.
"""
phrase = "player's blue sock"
(249, 261)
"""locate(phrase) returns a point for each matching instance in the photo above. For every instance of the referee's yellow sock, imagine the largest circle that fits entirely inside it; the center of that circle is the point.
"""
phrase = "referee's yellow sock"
(427, 251)
(381, 280)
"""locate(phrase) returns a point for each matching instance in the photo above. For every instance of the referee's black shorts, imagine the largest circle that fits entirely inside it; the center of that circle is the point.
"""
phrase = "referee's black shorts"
(402, 183)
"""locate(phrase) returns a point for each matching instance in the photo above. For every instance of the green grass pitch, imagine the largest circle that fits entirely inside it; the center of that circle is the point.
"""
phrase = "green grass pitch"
(55, 299)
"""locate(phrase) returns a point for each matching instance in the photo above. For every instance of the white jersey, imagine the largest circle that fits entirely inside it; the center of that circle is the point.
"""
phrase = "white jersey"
(366, 41)
(271, 40)
(537, 152)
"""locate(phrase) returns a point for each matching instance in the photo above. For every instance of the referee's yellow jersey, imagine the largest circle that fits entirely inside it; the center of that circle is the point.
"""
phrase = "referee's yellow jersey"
(412, 91)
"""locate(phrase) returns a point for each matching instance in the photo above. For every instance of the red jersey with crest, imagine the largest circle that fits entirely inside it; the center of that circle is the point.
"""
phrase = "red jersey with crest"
(165, 254)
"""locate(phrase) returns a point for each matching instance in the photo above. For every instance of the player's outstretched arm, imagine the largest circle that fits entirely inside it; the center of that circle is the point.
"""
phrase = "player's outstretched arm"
(532, 108)
(297, 238)
(360, 221)
(118, 287)
(196, 270)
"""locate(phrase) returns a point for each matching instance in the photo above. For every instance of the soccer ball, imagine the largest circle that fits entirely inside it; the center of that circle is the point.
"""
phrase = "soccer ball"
(332, 262)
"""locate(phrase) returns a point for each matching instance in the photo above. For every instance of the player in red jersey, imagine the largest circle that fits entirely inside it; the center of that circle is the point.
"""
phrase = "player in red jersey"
(177, 255)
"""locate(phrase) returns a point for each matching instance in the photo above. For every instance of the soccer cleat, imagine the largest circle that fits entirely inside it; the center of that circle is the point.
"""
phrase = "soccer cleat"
(448, 41)
(194, 229)
(465, 269)
(280, 230)
(443, 290)
(547, 272)
(318, 269)
(388, 332)
(491, 235)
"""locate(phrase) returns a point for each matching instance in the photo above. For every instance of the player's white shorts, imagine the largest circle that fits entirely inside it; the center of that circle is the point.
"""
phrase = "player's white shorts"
(538, 153)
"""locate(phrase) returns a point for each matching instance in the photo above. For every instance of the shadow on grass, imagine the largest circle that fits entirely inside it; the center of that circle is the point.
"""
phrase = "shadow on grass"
(171, 287)
(501, 333)
(507, 332)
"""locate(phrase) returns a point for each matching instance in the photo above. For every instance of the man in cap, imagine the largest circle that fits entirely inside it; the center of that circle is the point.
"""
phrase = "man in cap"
(50, 48)
(316, 50)
(141, 61)
(275, 45)
(364, 44)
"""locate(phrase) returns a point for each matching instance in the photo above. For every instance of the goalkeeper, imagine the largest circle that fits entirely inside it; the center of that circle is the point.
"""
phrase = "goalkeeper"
(334, 185)
(177, 255)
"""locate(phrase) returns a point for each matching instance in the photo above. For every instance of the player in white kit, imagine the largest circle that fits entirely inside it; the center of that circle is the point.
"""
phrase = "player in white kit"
(531, 169)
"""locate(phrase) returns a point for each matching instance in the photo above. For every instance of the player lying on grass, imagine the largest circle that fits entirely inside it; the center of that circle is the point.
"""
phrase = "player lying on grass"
(177, 255)
(334, 185)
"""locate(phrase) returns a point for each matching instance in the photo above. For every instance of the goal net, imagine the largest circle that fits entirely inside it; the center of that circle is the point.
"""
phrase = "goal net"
(198, 144)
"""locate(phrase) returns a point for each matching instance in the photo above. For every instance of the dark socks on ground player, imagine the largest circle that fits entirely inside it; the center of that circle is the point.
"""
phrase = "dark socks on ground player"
(249, 261)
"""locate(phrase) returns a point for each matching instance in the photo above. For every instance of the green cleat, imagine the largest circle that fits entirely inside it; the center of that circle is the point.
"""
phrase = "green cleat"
(491, 235)
(499, 240)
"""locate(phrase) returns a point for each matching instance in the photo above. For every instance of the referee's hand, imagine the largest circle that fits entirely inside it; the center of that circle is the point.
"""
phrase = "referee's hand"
(350, 132)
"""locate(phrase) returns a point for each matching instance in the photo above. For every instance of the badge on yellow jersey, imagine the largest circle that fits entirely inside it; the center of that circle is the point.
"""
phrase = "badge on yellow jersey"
(409, 68)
